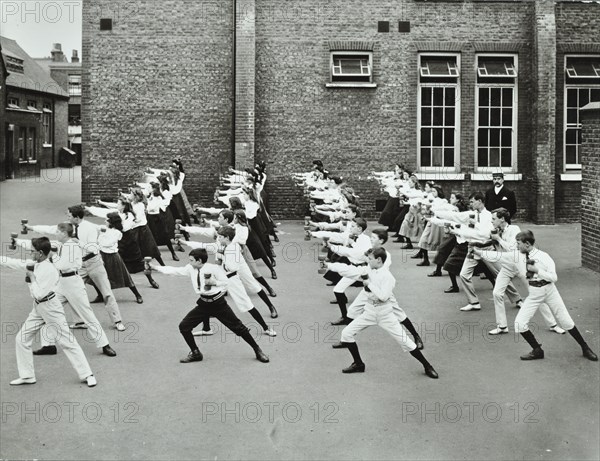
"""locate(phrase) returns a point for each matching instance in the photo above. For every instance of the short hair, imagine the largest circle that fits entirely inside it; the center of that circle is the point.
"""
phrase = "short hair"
(42, 244)
(77, 211)
(381, 234)
(525, 236)
(235, 203)
(378, 253)
(227, 214)
(502, 213)
(226, 231)
(199, 254)
(360, 222)
(477, 196)
(461, 203)
(66, 227)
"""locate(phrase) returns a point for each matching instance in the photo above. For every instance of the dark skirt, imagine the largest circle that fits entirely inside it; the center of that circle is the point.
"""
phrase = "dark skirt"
(179, 211)
(259, 229)
(169, 221)
(445, 249)
(266, 219)
(117, 271)
(130, 252)
(158, 227)
(400, 218)
(390, 212)
(264, 198)
(256, 247)
(456, 259)
(146, 242)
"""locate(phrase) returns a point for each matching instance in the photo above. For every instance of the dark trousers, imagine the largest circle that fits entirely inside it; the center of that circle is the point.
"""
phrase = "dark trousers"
(204, 311)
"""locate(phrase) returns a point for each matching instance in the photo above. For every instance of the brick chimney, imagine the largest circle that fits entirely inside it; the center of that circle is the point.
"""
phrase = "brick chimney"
(74, 57)
(57, 54)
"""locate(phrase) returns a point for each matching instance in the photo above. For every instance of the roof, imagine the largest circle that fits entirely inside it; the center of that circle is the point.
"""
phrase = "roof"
(34, 78)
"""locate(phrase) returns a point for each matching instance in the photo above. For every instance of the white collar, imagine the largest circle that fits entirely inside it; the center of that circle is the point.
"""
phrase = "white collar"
(498, 189)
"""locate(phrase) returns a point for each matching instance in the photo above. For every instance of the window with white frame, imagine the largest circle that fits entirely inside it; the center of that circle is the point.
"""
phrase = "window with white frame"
(351, 66)
(582, 86)
(13, 103)
(31, 105)
(31, 144)
(47, 122)
(75, 85)
(438, 111)
(496, 114)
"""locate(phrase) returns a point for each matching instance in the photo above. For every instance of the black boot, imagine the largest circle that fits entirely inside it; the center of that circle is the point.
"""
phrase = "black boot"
(411, 329)
(342, 300)
(138, 296)
(263, 295)
(357, 366)
(537, 353)
(264, 283)
(587, 352)
(429, 370)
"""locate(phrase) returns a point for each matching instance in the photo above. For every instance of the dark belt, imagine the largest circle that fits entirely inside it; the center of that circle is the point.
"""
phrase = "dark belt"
(360, 264)
(88, 256)
(231, 274)
(69, 274)
(538, 283)
(213, 298)
(48, 297)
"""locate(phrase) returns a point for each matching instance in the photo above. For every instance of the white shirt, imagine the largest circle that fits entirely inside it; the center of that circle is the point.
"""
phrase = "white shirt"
(68, 257)
(508, 240)
(46, 275)
(109, 241)
(87, 234)
(140, 214)
(356, 251)
(381, 286)
(251, 208)
(498, 189)
(176, 188)
(241, 234)
(198, 276)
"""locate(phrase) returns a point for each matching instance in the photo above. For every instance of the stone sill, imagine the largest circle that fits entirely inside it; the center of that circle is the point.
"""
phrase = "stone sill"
(46, 145)
(570, 177)
(439, 176)
(350, 85)
(488, 177)
(31, 162)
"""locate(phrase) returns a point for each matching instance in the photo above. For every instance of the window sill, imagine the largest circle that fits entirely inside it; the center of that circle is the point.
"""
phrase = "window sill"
(46, 145)
(31, 162)
(439, 176)
(488, 176)
(570, 177)
(350, 85)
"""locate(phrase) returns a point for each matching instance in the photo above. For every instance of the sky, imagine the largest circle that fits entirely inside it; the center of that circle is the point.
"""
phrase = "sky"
(37, 24)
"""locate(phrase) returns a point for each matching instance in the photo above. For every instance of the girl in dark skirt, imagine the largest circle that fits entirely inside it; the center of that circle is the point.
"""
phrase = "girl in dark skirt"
(252, 208)
(142, 232)
(165, 209)
(108, 241)
(392, 207)
(177, 206)
(157, 220)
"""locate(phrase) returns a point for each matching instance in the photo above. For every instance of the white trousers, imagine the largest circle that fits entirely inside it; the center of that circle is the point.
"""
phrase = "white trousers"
(466, 276)
(93, 270)
(50, 313)
(237, 293)
(72, 290)
(358, 307)
(537, 296)
(384, 317)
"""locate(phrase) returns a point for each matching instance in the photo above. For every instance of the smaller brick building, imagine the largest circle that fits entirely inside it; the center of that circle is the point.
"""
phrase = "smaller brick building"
(3, 75)
(35, 121)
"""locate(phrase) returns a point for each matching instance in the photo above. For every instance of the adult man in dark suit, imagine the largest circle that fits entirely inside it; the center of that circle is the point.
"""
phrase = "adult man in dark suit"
(499, 196)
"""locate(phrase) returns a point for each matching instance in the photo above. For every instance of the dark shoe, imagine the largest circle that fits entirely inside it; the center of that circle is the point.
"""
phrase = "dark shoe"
(139, 300)
(338, 345)
(355, 368)
(261, 356)
(342, 321)
(416, 256)
(333, 302)
(98, 299)
(276, 239)
(398, 240)
(107, 350)
(429, 371)
(153, 284)
(273, 275)
(330, 285)
(435, 274)
(482, 277)
(175, 257)
(407, 247)
(419, 342)
(423, 263)
(195, 356)
(589, 354)
(273, 263)
(274, 313)
(451, 290)
(271, 292)
(46, 350)
(535, 354)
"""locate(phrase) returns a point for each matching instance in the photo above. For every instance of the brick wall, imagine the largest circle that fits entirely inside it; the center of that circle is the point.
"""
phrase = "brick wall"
(158, 85)
(3, 118)
(590, 185)
(61, 130)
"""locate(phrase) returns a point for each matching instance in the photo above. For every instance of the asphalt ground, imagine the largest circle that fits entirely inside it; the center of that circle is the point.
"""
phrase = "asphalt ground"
(487, 404)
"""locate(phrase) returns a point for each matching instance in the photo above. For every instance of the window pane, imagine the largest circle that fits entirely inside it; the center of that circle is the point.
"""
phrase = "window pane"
(425, 157)
(506, 138)
(494, 156)
(425, 137)
(495, 97)
(436, 154)
(438, 116)
(484, 115)
(572, 97)
(484, 97)
(572, 136)
(584, 97)
(449, 157)
(494, 137)
(507, 117)
(507, 97)
(495, 117)
(579, 136)
(449, 118)
(437, 136)
(571, 155)
(449, 137)
(351, 66)
(426, 96)
(572, 115)
(425, 116)
(450, 97)
(482, 137)
(506, 157)
(438, 96)
(482, 159)
(595, 95)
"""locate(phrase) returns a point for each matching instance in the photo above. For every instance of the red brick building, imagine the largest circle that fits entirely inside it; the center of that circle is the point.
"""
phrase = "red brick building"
(34, 127)
(451, 89)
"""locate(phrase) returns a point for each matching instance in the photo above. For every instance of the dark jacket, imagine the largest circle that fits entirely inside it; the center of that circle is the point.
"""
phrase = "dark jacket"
(505, 199)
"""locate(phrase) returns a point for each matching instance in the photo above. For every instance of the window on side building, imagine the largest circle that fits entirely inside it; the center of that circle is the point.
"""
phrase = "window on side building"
(75, 85)
(582, 86)
(13, 103)
(351, 67)
(496, 96)
(47, 123)
(31, 105)
(438, 117)
(31, 144)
